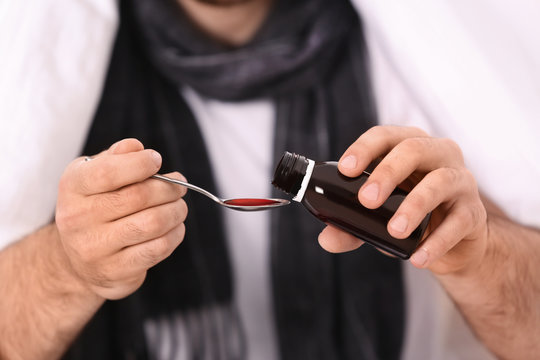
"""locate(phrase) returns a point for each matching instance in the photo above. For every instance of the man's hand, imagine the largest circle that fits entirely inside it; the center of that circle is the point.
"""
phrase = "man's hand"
(487, 263)
(457, 234)
(114, 222)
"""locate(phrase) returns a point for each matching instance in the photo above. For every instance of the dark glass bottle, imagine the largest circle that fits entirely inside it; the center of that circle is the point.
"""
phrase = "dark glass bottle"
(333, 199)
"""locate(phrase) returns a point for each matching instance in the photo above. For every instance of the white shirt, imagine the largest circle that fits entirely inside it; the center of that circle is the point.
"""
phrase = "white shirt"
(239, 139)
(468, 70)
(53, 59)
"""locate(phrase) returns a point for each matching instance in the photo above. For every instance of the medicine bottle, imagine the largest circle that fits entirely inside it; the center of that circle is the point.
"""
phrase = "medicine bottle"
(333, 199)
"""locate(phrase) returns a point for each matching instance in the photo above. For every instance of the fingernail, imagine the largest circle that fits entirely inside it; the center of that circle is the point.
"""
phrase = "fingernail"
(348, 162)
(370, 192)
(420, 257)
(156, 157)
(399, 223)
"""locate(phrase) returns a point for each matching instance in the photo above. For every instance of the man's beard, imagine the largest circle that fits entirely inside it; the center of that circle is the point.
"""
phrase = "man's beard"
(223, 3)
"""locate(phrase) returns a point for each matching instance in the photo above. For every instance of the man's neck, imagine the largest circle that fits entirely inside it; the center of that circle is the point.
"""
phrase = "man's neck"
(233, 22)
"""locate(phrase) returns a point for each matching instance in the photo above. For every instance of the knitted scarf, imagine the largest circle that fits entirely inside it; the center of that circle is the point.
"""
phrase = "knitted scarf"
(310, 58)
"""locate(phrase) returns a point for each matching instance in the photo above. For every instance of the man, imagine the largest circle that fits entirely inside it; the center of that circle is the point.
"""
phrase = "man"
(113, 223)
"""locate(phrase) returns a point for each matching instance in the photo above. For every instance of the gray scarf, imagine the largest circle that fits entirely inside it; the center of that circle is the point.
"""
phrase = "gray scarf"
(309, 57)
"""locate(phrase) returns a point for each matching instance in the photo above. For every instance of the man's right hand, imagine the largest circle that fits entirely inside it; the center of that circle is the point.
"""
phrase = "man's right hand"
(114, 221)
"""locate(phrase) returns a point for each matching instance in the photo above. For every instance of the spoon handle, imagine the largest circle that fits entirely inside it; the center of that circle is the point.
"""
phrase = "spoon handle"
(188, 185)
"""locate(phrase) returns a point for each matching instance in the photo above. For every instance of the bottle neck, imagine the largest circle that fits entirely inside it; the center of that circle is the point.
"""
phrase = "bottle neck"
(305, 181)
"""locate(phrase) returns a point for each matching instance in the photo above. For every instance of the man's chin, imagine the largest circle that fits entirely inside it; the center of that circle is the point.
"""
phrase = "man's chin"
(223, 2)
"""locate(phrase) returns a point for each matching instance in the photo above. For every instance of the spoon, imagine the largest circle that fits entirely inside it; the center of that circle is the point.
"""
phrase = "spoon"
(241, 204)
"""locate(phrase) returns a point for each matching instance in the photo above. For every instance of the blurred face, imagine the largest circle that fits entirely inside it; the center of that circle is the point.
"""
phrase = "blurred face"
(223, 2)
(233, 22)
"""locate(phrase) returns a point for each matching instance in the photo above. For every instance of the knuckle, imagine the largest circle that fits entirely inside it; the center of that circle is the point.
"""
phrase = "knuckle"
(469, 177)
(167, 250)
(181, 232)
(442, 245)
(135, 196)
(431, 193)
(180, 190)
(102, 174)
(107, 273)
(147, 255)
(177, 216)
(410, 144)
(385, 171)
(377, 130)
(133, 261)
(416, 203)
(109, 202)
(175, 192)
(67, 218)
(100, 278)
(157, 250)
(464, 215)
(478, 215)
(144, 226)
(451, 144)
(465, 179)
(185, 209)
(416, 145)
(84, 185)
(448, 175)
(134, 229)
(179, 176)
(372, 136)
(164, 246)
(180, 212)
(453, 147)
(154, 221)
(102, 177)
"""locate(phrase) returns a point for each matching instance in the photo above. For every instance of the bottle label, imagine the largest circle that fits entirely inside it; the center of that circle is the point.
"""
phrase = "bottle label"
(305, 181)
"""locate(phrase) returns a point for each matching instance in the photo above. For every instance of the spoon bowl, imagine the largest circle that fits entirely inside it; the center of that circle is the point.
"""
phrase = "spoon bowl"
(241, 204)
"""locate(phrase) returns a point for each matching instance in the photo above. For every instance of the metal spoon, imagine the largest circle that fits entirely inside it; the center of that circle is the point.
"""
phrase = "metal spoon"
(242, 204)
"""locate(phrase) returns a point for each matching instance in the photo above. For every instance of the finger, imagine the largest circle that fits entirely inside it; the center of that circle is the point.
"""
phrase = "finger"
(418, 154)
(147, 224)
(126, 146)
(147, 254)
(334, 240)
(110, 172)
(375, 142)
(110, 238)
(443, 185)
(133, 198)
(459, 223)
(120, 147)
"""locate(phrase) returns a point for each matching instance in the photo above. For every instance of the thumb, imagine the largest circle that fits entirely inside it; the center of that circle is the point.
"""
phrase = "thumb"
(125, 146)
